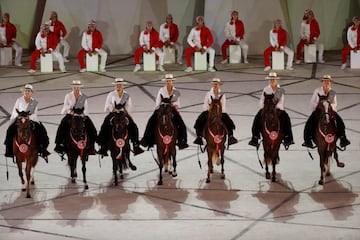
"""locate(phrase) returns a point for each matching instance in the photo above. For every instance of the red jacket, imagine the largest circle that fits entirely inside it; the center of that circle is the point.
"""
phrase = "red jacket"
(206, 37)
(314, 29)
(281, 36)
(59, 28)
(239, 28)
(154, 38)
(97, 39)
(10, 33)
(174, 32)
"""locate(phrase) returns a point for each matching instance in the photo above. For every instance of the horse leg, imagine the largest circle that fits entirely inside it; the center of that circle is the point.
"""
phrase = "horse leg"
(21, 175)
(322, 170)
(121, 168)
(72, 165)
(174, 173)
(84, 172)
(32, 181)
(209, 170)
(222, 166)
(115, 165)
(339, 164)
(273, 178)
(160, 182)
(267, 174)
(28, 179)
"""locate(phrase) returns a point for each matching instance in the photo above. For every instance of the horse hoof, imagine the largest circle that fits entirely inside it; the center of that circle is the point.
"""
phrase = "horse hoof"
(341, 164)
(28, 196)
(86, 187)
(121, 176)
(159, 182)
(133, 167)
(273, 179)
(174, 174)
(222, 176)
(267, 175)
(208, 180)
(32, 182)
(321, 182)
(23, 189)
(73, 180)
(211, 171)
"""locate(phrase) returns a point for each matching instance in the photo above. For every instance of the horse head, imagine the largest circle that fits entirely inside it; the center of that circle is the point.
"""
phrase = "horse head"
(215, 107)
(23, 119)
(324, 107)
(165, 114)
(77, 123)
(119, 119)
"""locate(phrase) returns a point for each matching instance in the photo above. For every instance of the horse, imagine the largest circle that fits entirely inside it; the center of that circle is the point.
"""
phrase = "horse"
(77, 144)
(119, 142)
(25, 148)
(165, 138)
(325, 136)
(271, 134)
(215, 135)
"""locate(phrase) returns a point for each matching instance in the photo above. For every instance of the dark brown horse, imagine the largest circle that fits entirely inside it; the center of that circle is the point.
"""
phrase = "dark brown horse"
(25, 149)
(77, 144)
(119, 142)
(325, 136)
(271, 134)
(165, 138)
(215, 135)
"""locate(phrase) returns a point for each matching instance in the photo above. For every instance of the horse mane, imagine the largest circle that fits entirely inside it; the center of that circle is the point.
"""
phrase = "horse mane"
(78, 111)
(215, 112)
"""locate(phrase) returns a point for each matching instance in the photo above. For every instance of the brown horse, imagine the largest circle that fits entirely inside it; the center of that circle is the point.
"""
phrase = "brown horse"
(77, 144)
(215, 135)
(325, 136)
(119, 142)
(165, 138)
(271, 134)
(25, 149)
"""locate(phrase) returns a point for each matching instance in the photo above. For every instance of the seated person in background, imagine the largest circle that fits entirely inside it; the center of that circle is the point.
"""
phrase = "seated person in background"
(353, 39)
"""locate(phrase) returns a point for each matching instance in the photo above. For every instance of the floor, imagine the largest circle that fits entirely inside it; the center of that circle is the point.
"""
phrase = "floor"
(243, 206)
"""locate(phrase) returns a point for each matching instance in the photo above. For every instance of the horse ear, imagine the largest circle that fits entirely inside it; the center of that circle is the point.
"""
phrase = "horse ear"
(162, 98)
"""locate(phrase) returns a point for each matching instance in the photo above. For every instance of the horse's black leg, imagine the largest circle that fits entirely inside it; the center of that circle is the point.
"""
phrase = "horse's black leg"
(274, 160)
(174, 173)
(339, 164)
(115, 166)
(160, 182)
(72, 165)
(322, 170)
(84, 171)
(121, 168)
(222, 166)
(209, 170)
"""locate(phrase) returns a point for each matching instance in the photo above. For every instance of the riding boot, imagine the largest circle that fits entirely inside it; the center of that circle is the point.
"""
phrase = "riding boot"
(344, 141)
(254, 141)
(256, 128)
(341, 131)
(44, 153)
(103, 151)
(198, 139)
(9, 150)
(92, 150)
(231, 139)
(137, 149)
(288, 137)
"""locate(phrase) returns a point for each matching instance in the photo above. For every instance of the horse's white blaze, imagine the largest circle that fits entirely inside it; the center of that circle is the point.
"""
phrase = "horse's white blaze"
(326, 107)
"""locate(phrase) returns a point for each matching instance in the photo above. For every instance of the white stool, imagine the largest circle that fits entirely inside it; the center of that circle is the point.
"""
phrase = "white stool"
(46, 63)
(277, 60)
(169, 55)
(5, 56)
(92, 63)
(200, 61)
(149, 61)
(310, 53)
(354, 59)
(235, 54)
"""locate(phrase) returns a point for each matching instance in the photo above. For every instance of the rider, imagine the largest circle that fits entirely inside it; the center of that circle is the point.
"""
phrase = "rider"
(74, 100)
(214, 92)
(29, 104)
(279, 96)
(118, 96)
(310, 124)
(167, 91)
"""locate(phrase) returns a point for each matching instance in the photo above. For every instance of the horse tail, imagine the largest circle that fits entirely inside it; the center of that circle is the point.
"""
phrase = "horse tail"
(215, 157)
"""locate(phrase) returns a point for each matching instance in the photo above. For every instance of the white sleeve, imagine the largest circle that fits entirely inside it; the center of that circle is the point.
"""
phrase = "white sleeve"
(190, 38)
(84, 42)
(38, 42)
(141, 39)
(314, 99)
(67, 105)
(108, 103)
(350, 38)
(227, 31)
(14, 113)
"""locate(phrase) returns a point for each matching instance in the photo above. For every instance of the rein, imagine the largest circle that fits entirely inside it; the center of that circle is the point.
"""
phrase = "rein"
(120, 143)
(273, 135)
(329, 138)
(166, 140)
(81, 144)
(23, 148)
(217, 139)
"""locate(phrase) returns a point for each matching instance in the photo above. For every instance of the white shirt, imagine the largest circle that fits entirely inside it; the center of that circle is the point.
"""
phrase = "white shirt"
(3, 35)
(268, 90)
(165, 33)
(144, 39)
(274, 39)
(193, 38)
(352, 37)
(21, 105)
(305, 30)
(86, 42)
(113, 97)
(163, 91)
(207, 100)
(315, 98)
(69, 103)
(41, 43)
(230, 32)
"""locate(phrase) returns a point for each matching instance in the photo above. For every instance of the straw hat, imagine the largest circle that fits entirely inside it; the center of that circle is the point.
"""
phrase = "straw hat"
(168, 77)
(326, 77)
(217, 81)
(272, 75)
(27, 87)
(76, 83)
(119, 81)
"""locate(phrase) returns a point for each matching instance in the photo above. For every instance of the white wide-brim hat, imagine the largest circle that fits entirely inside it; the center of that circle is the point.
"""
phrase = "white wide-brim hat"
(27, 87)
(326, 77)
(119, 81)
(272, 75)
(217, 81)
(168, 77)
(76, 83)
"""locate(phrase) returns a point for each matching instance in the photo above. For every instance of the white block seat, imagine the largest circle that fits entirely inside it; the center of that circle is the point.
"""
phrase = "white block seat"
(149, 61)
(5, 56)
(169, 55)
(200, 61)
(46, 63)
(92, 63)
(234, 54)
(310, 53)
(277, 60)
(354, 59)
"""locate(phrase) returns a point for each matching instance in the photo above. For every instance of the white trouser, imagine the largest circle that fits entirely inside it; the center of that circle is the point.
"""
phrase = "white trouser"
(161, 55)
(18, 52)
(103, 57)
(66, 46)
(320, 48)
(57, 55)
(244, 48)
(179, 49)
(211, 53)
(290, 58)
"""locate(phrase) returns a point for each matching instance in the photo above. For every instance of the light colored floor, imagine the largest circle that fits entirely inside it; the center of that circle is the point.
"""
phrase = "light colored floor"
(243, 206)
